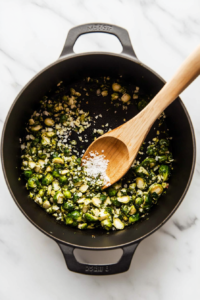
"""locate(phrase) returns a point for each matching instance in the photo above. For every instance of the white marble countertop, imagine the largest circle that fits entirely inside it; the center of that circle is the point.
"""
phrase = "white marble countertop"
(166, 265)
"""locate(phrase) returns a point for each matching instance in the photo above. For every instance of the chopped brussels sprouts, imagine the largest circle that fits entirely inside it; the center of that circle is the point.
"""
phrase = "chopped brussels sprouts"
(49, 122)
(125, 98)
(134, 218)
(103, 215)
(164, 143)
(68, 206)
(115, 202)
(104, 93)
(164, 171)
(67, 194)
(149, 162)
(49, 169)
(36, 128)
(28, 173)
(45, 141)
(96, 201)
(58, 197)
(91, 218)
(58, 134)
(152, 150)
(56, 173)
(156, 190)
(82, 226)
(114, 96)
(47, 179)
(141, 171)
(83, 188)
(76, 215)
(118, 224)
(112, 191)
(63, 179)
(58, 160)
(106, 224)
(132, 186)
(138, 201)
(133, 210)
(33, 182)
(162, 158)
(123, 199)
(116, 87)
(46, 204)
(69, 220)
(31, 164)
(141, 183)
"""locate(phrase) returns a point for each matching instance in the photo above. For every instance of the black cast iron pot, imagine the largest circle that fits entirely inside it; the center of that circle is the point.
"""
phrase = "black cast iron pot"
(69, 67)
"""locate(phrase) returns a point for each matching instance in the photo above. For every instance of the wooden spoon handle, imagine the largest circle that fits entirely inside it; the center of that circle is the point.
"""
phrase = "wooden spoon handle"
(188, 71)
(133, 132)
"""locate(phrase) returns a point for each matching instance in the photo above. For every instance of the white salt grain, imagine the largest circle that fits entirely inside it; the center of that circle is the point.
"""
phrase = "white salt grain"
(96, 165)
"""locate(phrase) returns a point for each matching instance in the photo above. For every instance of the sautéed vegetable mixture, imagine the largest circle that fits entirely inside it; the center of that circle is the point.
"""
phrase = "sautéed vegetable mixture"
(57, 135)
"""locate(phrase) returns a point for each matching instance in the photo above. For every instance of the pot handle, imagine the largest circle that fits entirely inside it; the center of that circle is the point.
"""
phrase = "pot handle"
(90, 269)
(119, 32)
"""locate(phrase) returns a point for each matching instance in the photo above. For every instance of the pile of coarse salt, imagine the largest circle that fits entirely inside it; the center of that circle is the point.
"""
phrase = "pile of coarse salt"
(96, 165)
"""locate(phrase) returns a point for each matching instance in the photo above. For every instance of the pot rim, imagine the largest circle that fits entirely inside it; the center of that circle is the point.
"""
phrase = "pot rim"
(132, 59)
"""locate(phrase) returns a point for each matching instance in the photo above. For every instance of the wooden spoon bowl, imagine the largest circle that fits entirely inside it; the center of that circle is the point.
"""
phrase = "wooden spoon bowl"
(115, 151)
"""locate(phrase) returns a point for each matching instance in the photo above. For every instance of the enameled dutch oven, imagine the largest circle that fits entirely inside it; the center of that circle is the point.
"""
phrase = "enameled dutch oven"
(69, 67)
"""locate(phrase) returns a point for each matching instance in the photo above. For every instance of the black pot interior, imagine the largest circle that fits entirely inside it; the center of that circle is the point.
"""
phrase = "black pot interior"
(70, 70)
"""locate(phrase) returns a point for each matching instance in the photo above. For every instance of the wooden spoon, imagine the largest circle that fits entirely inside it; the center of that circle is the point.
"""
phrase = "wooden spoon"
(122, 144)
